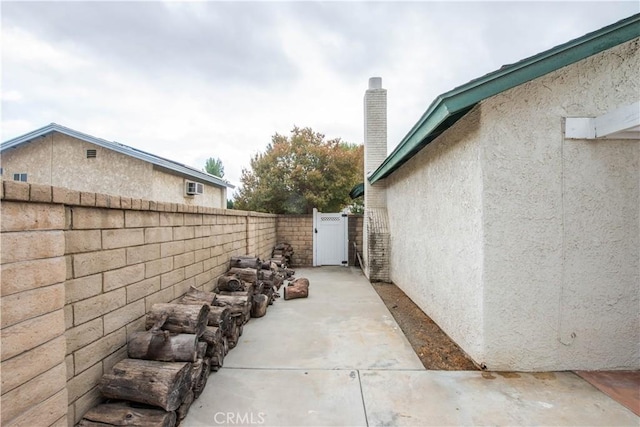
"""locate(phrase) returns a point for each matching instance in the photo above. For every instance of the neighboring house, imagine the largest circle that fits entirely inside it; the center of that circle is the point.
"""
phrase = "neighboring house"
(62, 157)
(511, 210)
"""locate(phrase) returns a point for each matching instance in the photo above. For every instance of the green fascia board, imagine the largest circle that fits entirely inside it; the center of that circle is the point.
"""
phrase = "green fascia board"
(357, 191)
(453, 105)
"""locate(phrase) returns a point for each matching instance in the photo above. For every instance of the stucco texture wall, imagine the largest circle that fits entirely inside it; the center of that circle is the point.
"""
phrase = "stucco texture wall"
(61, 161)
(170, 188)
(528, 250)
(434, 206)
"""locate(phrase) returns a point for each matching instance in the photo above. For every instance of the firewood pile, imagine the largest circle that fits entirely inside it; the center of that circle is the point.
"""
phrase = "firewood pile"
(282, 253)
(169, 363)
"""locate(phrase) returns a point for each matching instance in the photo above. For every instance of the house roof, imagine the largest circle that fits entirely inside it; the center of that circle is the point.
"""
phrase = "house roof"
(357, 191)
(166, 164)
(451, 106)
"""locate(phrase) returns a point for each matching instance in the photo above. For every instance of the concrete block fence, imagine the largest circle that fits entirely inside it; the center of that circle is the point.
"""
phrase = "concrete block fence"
(79, 272)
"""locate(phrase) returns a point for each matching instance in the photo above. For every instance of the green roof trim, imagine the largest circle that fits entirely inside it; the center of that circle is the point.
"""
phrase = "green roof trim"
(357, 191)
(451, 106)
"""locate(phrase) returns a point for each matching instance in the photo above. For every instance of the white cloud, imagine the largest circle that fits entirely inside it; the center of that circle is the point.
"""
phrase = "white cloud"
(188, 81)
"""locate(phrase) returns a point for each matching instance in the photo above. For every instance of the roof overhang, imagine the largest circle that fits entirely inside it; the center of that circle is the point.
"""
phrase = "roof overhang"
(164, 164)
(451, 106)
(357, 191)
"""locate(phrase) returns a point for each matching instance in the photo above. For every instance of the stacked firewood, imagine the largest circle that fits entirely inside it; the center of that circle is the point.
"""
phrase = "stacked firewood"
(168, 364)
(166, 370)
(282, 254)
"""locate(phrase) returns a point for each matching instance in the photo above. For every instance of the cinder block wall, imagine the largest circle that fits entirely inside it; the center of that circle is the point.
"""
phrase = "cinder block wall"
(355, 236)
(34, 389)
(80, 271)
(297, 230)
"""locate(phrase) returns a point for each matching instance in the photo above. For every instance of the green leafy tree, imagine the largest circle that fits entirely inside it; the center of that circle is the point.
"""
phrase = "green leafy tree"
(214, 167)
(301, 172)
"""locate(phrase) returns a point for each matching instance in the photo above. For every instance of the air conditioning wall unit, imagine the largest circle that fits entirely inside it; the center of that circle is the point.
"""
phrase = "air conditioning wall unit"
(194, 188)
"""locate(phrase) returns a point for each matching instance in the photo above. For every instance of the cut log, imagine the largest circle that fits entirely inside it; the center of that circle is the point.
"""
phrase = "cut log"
(186, 404)
(293, 292)
(202, 350)
(229, 283)
(234, 333)
(123, 414)
(277, 261)
(196, 296)
(237, 294)
(163, 346)
(219, 316)
(245, 262)
(162, 384)
(180, 318)
(212, 336)
(302, 281)
(247, 274)
(259, 306)
(299, 288)
(199, 375)
(214, 339)
(238, 305)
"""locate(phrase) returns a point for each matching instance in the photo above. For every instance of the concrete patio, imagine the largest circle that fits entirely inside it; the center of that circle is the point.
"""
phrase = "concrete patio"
(338, 358)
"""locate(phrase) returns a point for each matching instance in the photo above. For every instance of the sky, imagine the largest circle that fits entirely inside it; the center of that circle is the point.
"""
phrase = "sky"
(192, 80)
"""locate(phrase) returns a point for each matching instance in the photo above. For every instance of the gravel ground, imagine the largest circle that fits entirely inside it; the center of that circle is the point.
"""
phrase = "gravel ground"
(434, 348)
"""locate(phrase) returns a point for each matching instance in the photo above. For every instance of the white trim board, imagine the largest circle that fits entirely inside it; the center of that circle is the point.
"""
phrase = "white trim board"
(621, 123)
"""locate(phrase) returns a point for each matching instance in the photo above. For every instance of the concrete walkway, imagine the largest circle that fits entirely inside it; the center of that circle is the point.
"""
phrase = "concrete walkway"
(338, 358)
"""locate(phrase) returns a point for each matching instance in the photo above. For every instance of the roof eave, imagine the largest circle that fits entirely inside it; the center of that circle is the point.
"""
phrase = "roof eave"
(468, 95)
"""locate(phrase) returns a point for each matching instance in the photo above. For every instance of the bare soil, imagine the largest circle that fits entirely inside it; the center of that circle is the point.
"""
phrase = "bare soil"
(434, 348)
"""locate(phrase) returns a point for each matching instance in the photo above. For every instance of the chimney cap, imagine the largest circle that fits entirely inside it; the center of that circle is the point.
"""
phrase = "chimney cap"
(375, 83)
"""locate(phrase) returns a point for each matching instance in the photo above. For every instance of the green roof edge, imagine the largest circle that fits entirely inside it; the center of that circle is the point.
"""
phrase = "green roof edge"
(357, 191)
(463, 98)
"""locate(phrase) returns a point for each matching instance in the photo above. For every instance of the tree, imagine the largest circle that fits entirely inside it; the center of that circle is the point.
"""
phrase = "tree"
(214, 167)
(301, 172)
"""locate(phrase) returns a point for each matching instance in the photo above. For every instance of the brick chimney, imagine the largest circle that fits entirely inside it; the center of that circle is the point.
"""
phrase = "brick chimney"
(376, 230)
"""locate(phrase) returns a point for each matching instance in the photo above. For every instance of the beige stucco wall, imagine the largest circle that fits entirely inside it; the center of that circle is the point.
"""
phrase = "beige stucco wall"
(549, 266)
(61, 161)
(561, 221)
(435, 220)
(170, 188)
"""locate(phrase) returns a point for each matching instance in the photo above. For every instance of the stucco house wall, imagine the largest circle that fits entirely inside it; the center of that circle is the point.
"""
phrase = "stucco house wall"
(436, 238)
(61, 160)
(529, 248)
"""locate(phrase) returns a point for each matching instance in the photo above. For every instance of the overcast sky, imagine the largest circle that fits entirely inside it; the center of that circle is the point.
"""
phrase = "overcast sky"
(191, 80)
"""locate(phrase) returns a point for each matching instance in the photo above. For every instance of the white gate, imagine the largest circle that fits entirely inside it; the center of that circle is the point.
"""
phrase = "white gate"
(330, 238)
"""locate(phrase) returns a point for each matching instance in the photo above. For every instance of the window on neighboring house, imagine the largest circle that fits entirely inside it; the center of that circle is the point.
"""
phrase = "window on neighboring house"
(92, 154)
(20, 177)
(1, 170)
